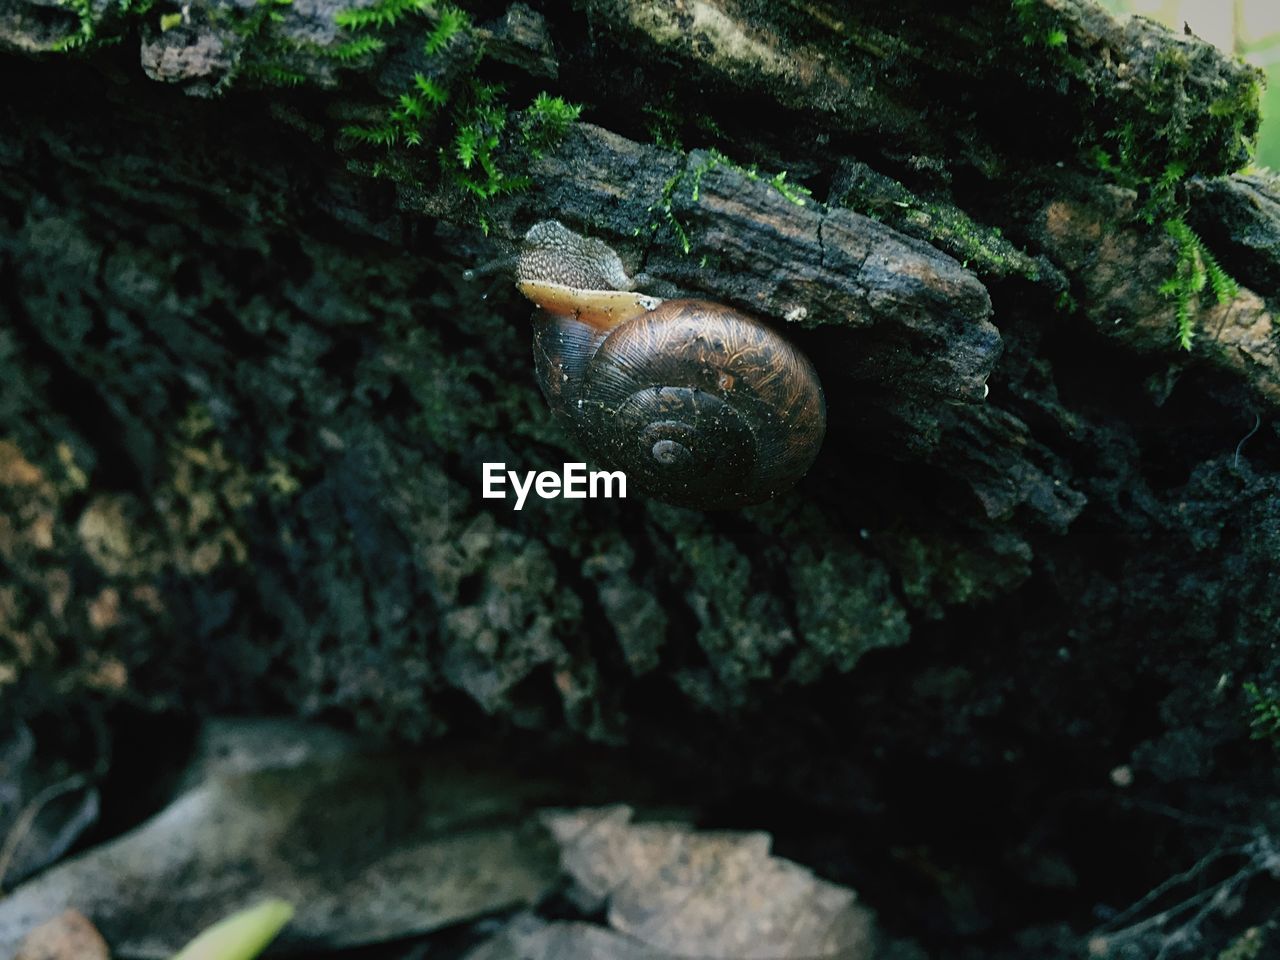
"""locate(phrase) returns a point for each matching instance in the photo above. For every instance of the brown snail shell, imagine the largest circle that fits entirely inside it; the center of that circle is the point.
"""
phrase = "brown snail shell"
(699, 404)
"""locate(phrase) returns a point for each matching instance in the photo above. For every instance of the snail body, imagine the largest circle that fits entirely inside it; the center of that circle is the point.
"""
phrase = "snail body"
(699, 404)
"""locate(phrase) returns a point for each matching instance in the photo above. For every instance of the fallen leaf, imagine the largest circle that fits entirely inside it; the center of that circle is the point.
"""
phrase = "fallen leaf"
(675, 893)
(371, 846)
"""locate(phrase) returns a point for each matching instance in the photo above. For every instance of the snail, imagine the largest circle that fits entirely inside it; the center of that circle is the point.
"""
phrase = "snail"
(699, 404)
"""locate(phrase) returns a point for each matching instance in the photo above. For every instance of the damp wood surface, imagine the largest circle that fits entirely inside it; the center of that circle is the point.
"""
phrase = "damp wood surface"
(246, 396)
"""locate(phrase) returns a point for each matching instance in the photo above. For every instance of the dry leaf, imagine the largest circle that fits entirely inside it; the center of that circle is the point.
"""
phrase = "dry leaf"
(673, 893)
(370, 846)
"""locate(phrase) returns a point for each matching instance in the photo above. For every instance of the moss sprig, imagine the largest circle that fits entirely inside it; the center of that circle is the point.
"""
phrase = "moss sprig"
(1264, 713)
(451, 23)
(357, 49)
(274, 74)
(382, 15)
(1194, 270)
(473, 160)
(85, 27)
(268, 57)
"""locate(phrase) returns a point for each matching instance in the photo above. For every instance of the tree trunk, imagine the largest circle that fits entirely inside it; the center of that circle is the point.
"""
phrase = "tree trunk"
(993, 645)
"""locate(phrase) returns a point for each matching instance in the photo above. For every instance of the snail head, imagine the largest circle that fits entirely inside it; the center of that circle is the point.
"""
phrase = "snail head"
(567, 274)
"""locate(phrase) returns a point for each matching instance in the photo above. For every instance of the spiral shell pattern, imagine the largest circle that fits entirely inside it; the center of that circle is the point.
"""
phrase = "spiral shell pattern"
(700, 405)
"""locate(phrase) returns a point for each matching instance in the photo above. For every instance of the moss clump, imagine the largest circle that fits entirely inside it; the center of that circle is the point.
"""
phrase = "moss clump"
(547, 120)
(947, 227)
(1170, 106)
(95, 28)
(1182, 109)
(1247, 946)
(479, 140)
(266, 57)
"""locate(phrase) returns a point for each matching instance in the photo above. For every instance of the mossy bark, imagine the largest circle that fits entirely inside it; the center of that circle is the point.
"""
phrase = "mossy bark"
(245, 396)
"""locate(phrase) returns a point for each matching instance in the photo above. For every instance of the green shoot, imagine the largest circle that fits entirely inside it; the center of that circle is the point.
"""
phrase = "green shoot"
(546, 121)
(795, 193)
(241, 936)
(452, 22)
(356, 49)
(381, 15)
(1264, 714)
(85, 28)
(1196, 269)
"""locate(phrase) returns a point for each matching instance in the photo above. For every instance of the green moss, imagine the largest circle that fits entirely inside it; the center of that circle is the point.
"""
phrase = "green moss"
(95, 29)
(664, 127)
(663, 210)
(268, 58)
(671, 121)
(264, 12)
(382, 15)
(357, 49)
(1247, 946)
(1195, 269)
(547, 120)
(1184, 110)
(839, 626)
(1263, 712)
(1044, 32)
(273, 74)
(473, 163)
(450, 24)
(947, 227)
(689, 179)
(478, 141)
(85, 30)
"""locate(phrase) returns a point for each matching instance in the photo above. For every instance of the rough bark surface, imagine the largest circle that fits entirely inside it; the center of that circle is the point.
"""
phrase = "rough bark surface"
(245, 396)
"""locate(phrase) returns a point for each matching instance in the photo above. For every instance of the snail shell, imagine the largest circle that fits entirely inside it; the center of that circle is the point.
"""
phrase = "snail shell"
(699, 404)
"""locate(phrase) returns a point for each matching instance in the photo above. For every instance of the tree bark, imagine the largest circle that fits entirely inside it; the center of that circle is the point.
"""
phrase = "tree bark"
(246, 393)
